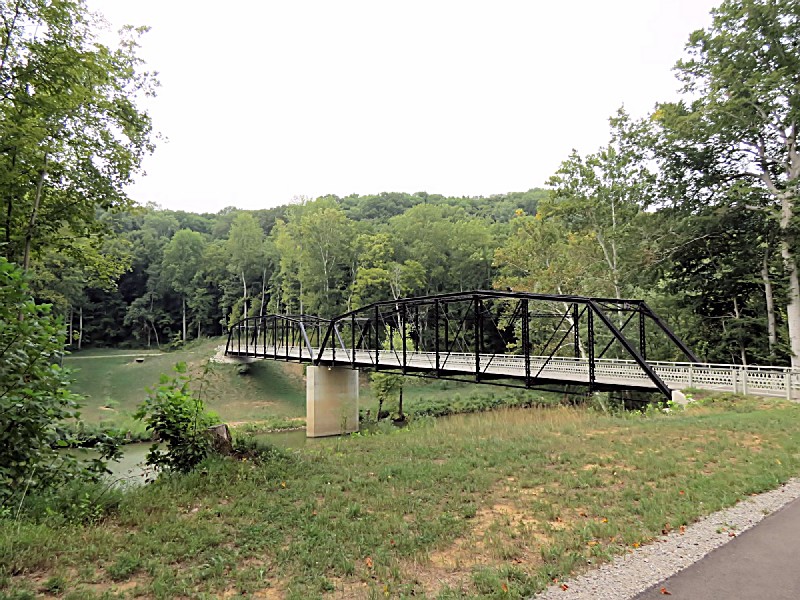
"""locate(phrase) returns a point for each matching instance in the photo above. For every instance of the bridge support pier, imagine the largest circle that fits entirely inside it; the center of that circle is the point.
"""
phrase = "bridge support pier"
(331, 401)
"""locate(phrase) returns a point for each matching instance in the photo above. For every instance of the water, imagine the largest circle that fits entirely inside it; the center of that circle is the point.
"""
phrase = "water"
(295, 438)
(131, 468)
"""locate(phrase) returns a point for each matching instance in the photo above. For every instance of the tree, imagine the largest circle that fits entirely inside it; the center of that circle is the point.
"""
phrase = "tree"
(318, 257)
(72, 136)
(182, 268)
(735, 139)
(455, 249)
(245, 248)
(603, 194)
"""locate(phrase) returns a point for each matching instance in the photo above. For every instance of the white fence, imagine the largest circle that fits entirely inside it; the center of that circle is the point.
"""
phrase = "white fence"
(764, 381)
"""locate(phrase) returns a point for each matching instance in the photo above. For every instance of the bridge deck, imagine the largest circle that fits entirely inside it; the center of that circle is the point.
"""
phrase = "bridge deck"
(609, 373)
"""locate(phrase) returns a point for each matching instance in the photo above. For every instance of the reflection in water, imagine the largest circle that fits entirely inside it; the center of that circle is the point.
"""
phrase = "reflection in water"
(295, 438)
(130, 470)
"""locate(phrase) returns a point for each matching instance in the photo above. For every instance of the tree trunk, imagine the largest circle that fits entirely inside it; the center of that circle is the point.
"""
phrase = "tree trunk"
(183, 307)
(155, 332)
(26, 257)
(772, 330)
(400, 403)
(793, 303)
(263, 292)
(146, 323)
(244, 302)
(69, 339)
(739, 342)
(80, 327)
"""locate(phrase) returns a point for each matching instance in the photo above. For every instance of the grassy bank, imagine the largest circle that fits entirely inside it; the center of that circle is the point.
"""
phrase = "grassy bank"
(491, 505)
(113, 384)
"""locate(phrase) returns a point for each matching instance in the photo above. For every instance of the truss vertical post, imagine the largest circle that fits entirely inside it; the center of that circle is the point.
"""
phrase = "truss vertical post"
(353, 339)
(436, 333)
(416, 327)
(477, 328)
(526, 345)
(403, 319)
(446, 329)
(575, 317)
(642, 333)
(275, 337)
(377, 318)
(590, 326)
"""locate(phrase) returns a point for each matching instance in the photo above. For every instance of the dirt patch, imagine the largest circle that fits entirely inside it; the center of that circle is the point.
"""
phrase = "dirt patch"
(752, 442)
(268, 593)
(500, 534)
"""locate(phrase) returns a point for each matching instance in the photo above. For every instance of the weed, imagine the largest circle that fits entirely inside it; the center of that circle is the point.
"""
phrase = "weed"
(55, 585)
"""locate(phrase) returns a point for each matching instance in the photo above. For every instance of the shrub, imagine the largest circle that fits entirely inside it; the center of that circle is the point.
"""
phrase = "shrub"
(35, 400)
(176, 417)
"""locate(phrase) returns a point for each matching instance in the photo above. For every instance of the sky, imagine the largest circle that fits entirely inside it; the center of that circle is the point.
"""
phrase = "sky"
(263, 102)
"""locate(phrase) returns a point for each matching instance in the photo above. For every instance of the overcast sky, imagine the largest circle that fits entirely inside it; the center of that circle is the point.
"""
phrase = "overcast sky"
(263, 101)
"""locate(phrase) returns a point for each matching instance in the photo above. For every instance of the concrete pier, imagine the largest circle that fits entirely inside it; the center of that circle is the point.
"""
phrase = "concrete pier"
(331, 401)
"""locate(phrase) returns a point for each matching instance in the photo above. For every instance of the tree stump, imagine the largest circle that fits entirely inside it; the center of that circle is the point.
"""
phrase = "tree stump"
(221, 440)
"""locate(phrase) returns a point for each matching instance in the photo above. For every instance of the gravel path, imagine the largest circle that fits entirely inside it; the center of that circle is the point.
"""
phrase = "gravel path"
(630, 574)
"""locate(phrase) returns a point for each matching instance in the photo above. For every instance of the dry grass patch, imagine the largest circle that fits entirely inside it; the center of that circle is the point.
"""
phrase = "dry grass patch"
(502, 533)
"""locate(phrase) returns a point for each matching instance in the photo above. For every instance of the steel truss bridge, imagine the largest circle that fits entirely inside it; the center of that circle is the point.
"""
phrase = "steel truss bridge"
(535, 341)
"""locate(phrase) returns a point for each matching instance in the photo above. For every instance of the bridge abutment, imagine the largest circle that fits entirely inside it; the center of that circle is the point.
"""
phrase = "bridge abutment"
(331, 401)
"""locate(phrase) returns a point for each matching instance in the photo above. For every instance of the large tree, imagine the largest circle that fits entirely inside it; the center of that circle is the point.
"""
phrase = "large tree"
(602, 196)
(72, 135)
(734, 140)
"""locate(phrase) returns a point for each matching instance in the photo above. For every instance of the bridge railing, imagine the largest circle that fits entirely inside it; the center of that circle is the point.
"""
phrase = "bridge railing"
(286, 337)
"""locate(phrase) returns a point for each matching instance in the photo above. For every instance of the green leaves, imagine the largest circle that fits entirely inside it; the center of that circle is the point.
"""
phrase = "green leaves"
(177, 419)
(35, 401)
(72, 136)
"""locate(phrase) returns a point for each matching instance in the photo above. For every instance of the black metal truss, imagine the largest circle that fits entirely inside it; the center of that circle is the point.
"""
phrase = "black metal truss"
(483, 325)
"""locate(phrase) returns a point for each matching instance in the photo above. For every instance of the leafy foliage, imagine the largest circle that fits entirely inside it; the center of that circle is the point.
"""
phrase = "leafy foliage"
(177, 417)
(72, 134)
(35, 400)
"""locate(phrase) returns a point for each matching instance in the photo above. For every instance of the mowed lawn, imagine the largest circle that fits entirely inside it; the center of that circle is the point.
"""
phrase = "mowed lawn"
(495, 505)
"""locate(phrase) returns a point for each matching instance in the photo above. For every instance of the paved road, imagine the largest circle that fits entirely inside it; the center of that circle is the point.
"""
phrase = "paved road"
(763, 562)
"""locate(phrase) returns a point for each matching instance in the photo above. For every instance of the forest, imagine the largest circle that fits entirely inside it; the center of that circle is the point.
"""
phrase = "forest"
(159, 278)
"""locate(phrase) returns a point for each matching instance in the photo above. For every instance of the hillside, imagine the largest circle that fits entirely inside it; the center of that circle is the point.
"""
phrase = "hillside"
(113, 383)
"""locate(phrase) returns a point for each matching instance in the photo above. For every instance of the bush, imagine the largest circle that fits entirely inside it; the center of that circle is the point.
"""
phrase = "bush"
(177, 418)
(35, 400)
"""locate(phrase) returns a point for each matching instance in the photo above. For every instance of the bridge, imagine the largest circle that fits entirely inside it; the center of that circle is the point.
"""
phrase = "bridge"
(534, 341)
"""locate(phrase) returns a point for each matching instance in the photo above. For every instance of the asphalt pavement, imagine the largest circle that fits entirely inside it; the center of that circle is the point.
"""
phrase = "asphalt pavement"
(761, 563)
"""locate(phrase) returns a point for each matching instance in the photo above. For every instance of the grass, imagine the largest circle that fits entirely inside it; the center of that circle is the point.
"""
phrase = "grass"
(113, 384)
(493, 505)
